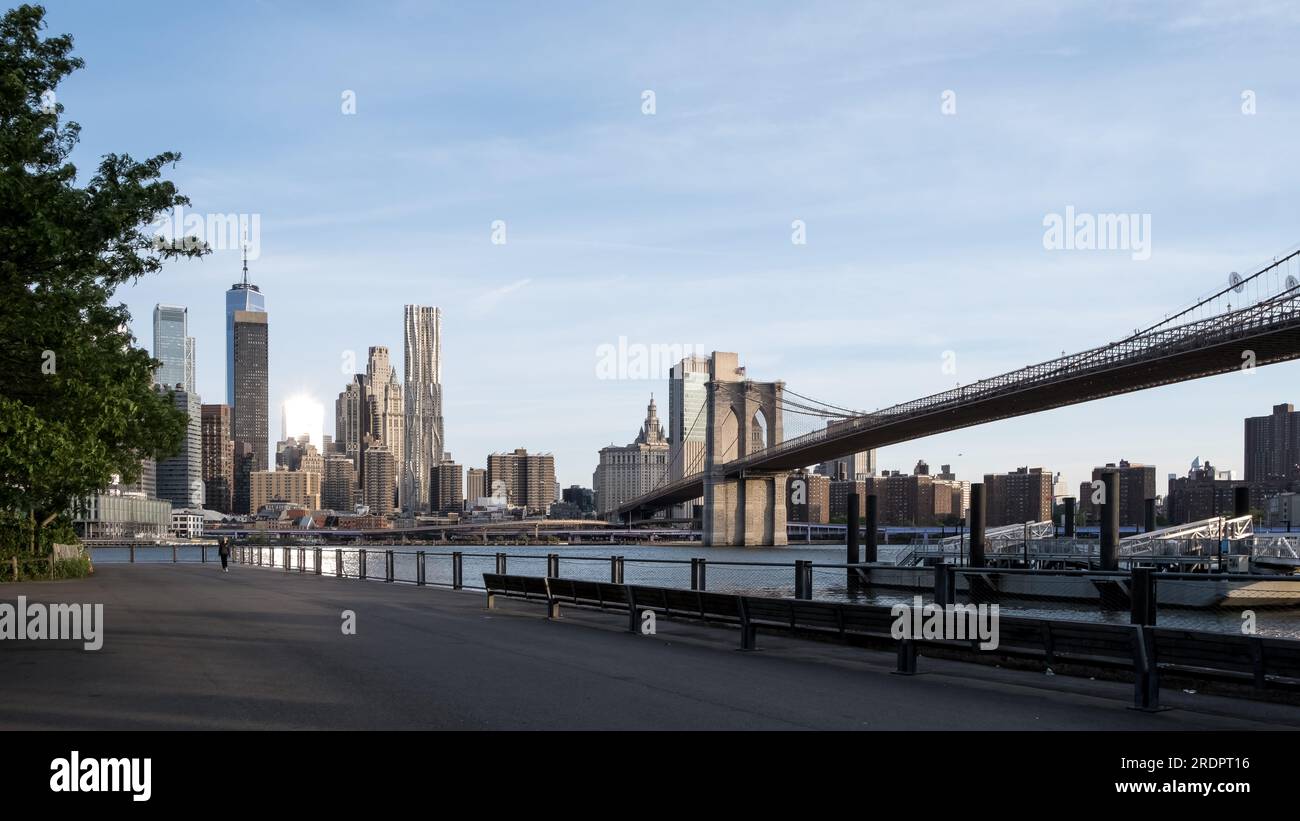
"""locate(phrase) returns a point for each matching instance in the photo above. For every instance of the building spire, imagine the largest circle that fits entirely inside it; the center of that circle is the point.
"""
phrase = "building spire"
(246, 264)
(651, 430)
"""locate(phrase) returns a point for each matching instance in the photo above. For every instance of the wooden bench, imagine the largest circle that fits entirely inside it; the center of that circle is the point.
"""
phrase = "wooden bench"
(826, 618)
(529, 588)
(1264, 662)
(1053, 641)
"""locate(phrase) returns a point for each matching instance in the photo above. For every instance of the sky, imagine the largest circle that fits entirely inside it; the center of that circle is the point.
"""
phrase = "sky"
(384, 149)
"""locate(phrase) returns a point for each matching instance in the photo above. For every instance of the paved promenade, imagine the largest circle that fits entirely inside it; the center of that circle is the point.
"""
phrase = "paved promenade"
(187, 646)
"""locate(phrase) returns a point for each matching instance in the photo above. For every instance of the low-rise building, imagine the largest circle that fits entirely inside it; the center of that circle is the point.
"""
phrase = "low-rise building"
(296, 487)
(122, 516)
(187, 523)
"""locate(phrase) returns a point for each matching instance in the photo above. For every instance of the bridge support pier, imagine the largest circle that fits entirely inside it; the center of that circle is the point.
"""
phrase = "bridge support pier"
(1110, 520)
(748, 511)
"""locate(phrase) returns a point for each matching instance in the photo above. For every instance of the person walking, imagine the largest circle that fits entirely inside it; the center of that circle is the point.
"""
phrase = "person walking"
(223, 549)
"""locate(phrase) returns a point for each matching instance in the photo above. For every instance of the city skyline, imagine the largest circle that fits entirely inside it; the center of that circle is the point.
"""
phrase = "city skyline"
(950, 237)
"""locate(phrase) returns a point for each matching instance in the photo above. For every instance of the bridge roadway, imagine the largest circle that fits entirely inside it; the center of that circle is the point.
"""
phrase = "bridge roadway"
(188, 647)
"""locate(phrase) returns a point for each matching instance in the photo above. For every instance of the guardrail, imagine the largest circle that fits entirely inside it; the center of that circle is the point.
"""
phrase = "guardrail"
(1219, 602)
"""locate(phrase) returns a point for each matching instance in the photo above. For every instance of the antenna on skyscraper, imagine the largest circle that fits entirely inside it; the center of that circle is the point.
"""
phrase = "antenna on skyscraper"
(245, 262)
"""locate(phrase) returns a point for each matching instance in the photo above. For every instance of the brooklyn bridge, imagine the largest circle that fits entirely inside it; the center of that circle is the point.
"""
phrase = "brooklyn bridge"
(757, 432)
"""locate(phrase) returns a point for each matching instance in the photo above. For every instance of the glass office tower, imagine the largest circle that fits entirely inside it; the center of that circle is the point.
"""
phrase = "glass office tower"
(169, 346)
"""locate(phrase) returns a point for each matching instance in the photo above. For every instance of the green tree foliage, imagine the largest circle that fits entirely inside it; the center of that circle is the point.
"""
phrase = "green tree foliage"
(76, 398)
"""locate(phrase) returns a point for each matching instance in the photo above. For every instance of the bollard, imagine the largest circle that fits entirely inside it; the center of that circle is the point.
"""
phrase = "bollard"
(873, 522)
(851, 531)
(1142, 597)
(553, 565)
(977, 510)
(419, 568)
(1110, 520)
(388, 566)
(361, 564)
(203, 554)
(945, 584)
(457, 570)
(803, 579)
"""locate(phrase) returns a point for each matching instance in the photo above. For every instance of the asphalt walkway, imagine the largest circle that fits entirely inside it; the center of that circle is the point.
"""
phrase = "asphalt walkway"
(188, 647)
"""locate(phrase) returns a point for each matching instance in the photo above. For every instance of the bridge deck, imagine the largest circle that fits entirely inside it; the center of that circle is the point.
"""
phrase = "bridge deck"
(191, 647)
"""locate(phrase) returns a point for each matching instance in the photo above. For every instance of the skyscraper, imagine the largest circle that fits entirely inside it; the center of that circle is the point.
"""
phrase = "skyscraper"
(385, 420)
(447, 490)
(242, 296)
(170, 326)
(687, 392)
(380, 472)
(250, 421)
(1273, 446)
(1137, 483)
(475, 486)
(218, 459)
(339, 485)
(423, 444)
(180, 477)
(350, 420)
(190, 376)
(242, 496)
(1023, 495)
(523, 479)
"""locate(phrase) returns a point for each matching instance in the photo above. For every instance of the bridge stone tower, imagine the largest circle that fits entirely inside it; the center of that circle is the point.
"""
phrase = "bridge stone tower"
(742, 416)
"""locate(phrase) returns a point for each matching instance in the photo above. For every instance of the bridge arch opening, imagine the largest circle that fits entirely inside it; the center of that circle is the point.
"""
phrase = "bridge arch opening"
(757, 432)
(730, 434)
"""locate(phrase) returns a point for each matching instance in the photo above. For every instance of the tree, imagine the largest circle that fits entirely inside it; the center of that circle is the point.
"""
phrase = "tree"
(77, 403)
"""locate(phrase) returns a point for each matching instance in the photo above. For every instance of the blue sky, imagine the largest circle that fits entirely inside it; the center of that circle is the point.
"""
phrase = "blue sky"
(924, 230)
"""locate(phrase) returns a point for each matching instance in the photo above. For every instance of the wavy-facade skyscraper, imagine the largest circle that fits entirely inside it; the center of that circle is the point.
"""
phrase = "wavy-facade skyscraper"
(423, 446)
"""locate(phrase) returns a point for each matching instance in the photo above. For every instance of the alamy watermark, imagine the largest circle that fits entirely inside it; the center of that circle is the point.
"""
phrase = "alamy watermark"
(953, 622)
(77, 774)
(1073, 231)
(638, 360)
(217, 232)
(55, 622)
